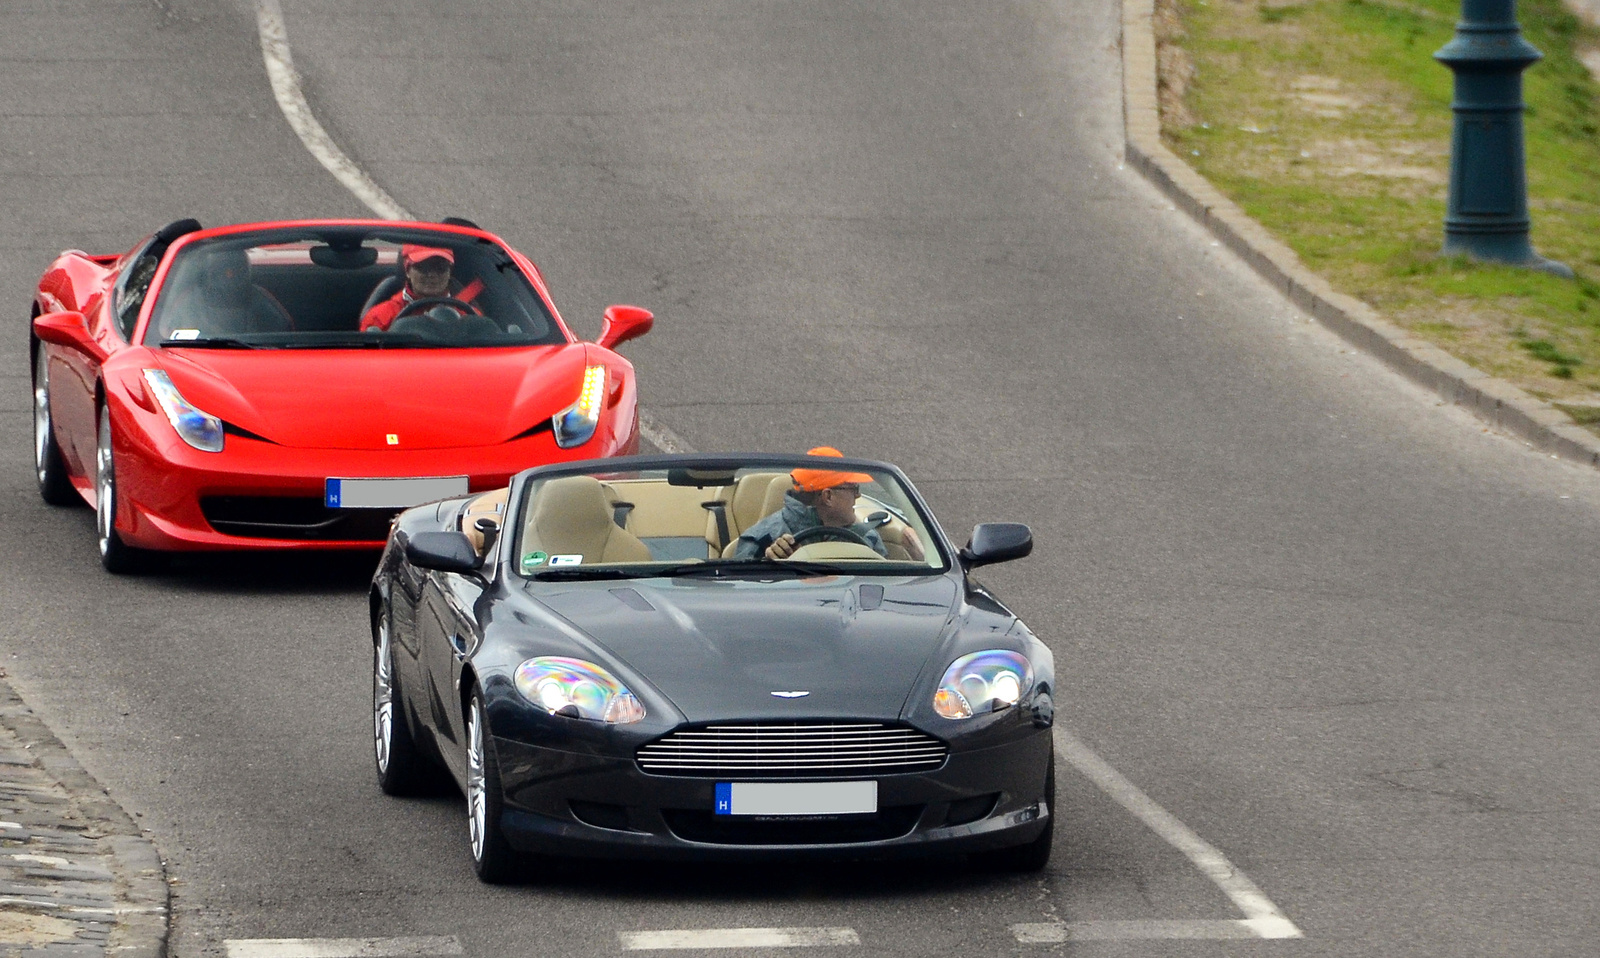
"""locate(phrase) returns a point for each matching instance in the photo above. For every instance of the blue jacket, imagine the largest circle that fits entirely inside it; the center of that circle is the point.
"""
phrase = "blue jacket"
(793, 518)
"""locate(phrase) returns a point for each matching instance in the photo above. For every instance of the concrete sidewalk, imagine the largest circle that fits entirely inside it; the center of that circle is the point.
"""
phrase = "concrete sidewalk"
(77, 878)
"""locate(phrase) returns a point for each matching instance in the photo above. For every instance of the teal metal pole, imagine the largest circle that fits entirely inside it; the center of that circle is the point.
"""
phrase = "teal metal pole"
(1487, 217)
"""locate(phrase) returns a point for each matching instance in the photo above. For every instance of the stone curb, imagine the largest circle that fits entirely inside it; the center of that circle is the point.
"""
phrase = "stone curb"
(142, 898)
(1494, 400)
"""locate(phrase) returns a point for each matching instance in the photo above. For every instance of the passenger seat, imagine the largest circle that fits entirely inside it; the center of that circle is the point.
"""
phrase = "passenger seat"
(574, 516)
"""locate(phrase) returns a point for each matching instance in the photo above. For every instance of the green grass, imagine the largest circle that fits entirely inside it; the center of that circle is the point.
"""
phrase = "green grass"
(1329, 121)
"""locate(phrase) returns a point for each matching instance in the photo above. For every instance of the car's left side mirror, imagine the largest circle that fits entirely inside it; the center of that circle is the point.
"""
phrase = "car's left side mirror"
(993, 542)
(443, 552)
(623, 323)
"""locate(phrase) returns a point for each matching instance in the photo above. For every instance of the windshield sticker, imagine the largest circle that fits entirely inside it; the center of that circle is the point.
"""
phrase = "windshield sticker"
(184, 334)
(533, 560)
(567, 560)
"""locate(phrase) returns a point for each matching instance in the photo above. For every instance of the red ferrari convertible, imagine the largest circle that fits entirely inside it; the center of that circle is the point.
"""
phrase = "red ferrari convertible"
(293, 385)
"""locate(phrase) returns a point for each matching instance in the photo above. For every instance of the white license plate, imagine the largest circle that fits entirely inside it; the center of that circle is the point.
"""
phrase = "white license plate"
(390, 493)
(797, 798)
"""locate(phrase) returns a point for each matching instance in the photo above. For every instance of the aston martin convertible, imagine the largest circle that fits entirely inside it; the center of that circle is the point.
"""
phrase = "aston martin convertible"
(608, 661)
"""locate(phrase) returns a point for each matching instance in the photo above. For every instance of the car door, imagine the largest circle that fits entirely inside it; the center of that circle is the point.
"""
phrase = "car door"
(74, 374)
(450, 634)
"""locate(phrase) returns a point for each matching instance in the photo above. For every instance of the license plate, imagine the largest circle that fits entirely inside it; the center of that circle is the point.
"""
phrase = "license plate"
(390, 493)
(797, 798)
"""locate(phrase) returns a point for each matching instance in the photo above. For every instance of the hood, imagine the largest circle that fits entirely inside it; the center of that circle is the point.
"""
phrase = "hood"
(719, 650)
(356, 398)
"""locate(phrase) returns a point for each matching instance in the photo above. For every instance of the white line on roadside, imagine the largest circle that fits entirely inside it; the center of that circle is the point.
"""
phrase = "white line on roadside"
(1051, 933)
(342, 947)
(292, 101)
(737, 938)
(1262, 917)
(663, 438)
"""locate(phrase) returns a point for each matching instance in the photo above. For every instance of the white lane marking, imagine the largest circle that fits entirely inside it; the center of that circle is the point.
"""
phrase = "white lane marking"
(737, 938)
(1262, 917)
(341, 947)
(1051, 933)
(292, 101)
(663, 438)
(43, 860)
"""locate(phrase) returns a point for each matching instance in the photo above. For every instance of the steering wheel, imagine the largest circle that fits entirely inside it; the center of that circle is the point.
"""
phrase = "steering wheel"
(419, 306)
(830, 534)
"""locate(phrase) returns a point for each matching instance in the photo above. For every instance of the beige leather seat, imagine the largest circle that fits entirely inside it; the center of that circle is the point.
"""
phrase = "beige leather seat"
(573, 516)
(741, 508)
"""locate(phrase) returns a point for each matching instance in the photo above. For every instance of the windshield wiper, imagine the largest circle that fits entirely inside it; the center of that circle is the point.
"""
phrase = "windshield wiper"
(579, 573)
(717, 569)
(212, 342)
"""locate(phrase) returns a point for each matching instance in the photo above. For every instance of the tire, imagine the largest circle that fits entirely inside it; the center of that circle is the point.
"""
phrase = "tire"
(1034, 856)
(401, 769)
(117, 557)
(50, 469)
(492, 856)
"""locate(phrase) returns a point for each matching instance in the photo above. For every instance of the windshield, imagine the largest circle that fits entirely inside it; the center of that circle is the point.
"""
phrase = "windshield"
(347, 287)
(735, 522)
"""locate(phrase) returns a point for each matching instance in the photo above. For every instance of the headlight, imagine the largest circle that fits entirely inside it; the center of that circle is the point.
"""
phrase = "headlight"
(983, 682)
(575, 424)
(199, 429)
(577, 689)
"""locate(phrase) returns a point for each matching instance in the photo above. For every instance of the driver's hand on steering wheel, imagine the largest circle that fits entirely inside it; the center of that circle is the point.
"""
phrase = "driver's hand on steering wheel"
(782, 547)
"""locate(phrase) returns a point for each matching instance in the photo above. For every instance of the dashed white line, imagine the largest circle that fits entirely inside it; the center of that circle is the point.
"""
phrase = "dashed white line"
(663, 438)
(342, 947)
(1050, 933)
(1262, 917)
(292, 101)
(737, 938)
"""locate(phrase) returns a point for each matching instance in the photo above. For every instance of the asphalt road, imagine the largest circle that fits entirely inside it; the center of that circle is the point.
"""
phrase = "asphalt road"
(1341, 631)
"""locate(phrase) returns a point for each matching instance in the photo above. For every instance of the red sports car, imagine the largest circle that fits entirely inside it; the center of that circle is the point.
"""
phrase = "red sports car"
(293, 385)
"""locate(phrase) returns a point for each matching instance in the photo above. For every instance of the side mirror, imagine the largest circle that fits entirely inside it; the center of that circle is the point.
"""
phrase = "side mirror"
(996, 542)
(67, 329)
(623, 323)
(443, 552)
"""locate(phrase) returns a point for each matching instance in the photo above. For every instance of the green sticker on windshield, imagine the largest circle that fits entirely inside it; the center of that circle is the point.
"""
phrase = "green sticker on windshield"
(533, 560)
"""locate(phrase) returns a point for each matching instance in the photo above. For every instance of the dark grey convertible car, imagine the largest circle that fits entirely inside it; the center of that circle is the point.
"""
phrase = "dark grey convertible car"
(607, 660)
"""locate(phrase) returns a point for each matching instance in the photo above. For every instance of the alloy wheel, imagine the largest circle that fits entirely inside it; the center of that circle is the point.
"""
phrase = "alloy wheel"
(382, 699)
(105, 485)
(41, 413)
(477, 797)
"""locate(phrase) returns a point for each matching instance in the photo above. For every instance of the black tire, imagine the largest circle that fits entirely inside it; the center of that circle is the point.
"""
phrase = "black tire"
(117, 557)
(50, 469)
(493, 858)
(1034, 856)
(402, 770)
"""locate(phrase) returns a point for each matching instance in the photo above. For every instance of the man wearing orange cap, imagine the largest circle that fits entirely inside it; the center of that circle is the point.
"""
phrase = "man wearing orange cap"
(820, 497)
(427, 272)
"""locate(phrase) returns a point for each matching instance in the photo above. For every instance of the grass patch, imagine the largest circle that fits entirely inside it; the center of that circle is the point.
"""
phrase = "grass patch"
(1329, 122)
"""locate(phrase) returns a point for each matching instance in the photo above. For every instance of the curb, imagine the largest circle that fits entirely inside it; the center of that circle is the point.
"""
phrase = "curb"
(142, 897)
(1492, 399)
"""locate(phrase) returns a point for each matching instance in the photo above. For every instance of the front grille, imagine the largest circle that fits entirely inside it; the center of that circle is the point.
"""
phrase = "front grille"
(704, 826)
(793, 749)
(294, 517)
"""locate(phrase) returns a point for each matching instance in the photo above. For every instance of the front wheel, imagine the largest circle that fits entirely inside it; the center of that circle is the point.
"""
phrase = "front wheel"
(492, 856)
(51, 471)
(117, 557)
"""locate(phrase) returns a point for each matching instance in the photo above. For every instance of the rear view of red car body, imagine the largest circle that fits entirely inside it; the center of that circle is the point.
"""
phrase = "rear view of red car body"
(189, 422)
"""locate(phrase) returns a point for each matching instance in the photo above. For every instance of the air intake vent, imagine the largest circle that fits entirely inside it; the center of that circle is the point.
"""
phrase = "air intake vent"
(793, 749)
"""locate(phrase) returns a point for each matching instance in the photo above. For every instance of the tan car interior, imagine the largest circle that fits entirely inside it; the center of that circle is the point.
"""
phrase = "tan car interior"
(617, 520)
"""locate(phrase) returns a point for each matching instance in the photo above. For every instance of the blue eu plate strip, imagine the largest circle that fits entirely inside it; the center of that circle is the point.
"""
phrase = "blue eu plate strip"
(330, 494)
(724, 798)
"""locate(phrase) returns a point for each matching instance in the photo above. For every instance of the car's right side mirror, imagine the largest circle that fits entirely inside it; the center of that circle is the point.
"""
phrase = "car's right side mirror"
(443, 552)
(993, 542)
(622, 323)
(67, 329)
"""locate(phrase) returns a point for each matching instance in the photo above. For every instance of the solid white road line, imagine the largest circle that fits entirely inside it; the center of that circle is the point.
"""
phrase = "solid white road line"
(342, 947)
(663, 438)
(1050, 933)
(1263, 918)
(292, 101)
(737, 938)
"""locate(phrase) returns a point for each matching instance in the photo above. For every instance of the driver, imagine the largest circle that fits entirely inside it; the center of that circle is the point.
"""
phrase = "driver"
(427, 272)
(820, 497)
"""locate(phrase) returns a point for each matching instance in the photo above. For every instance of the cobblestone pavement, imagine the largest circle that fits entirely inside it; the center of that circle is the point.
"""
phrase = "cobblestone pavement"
(77, 879)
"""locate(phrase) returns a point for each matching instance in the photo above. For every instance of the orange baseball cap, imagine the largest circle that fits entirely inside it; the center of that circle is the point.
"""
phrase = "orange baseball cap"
(816, 480)
(414, 253)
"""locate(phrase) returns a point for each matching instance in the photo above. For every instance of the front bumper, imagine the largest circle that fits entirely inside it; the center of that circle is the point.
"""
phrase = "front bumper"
(581, 804)
(161, 482)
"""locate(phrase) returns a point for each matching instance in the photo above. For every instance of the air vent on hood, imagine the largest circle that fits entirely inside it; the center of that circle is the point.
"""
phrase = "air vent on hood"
(793, 749)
